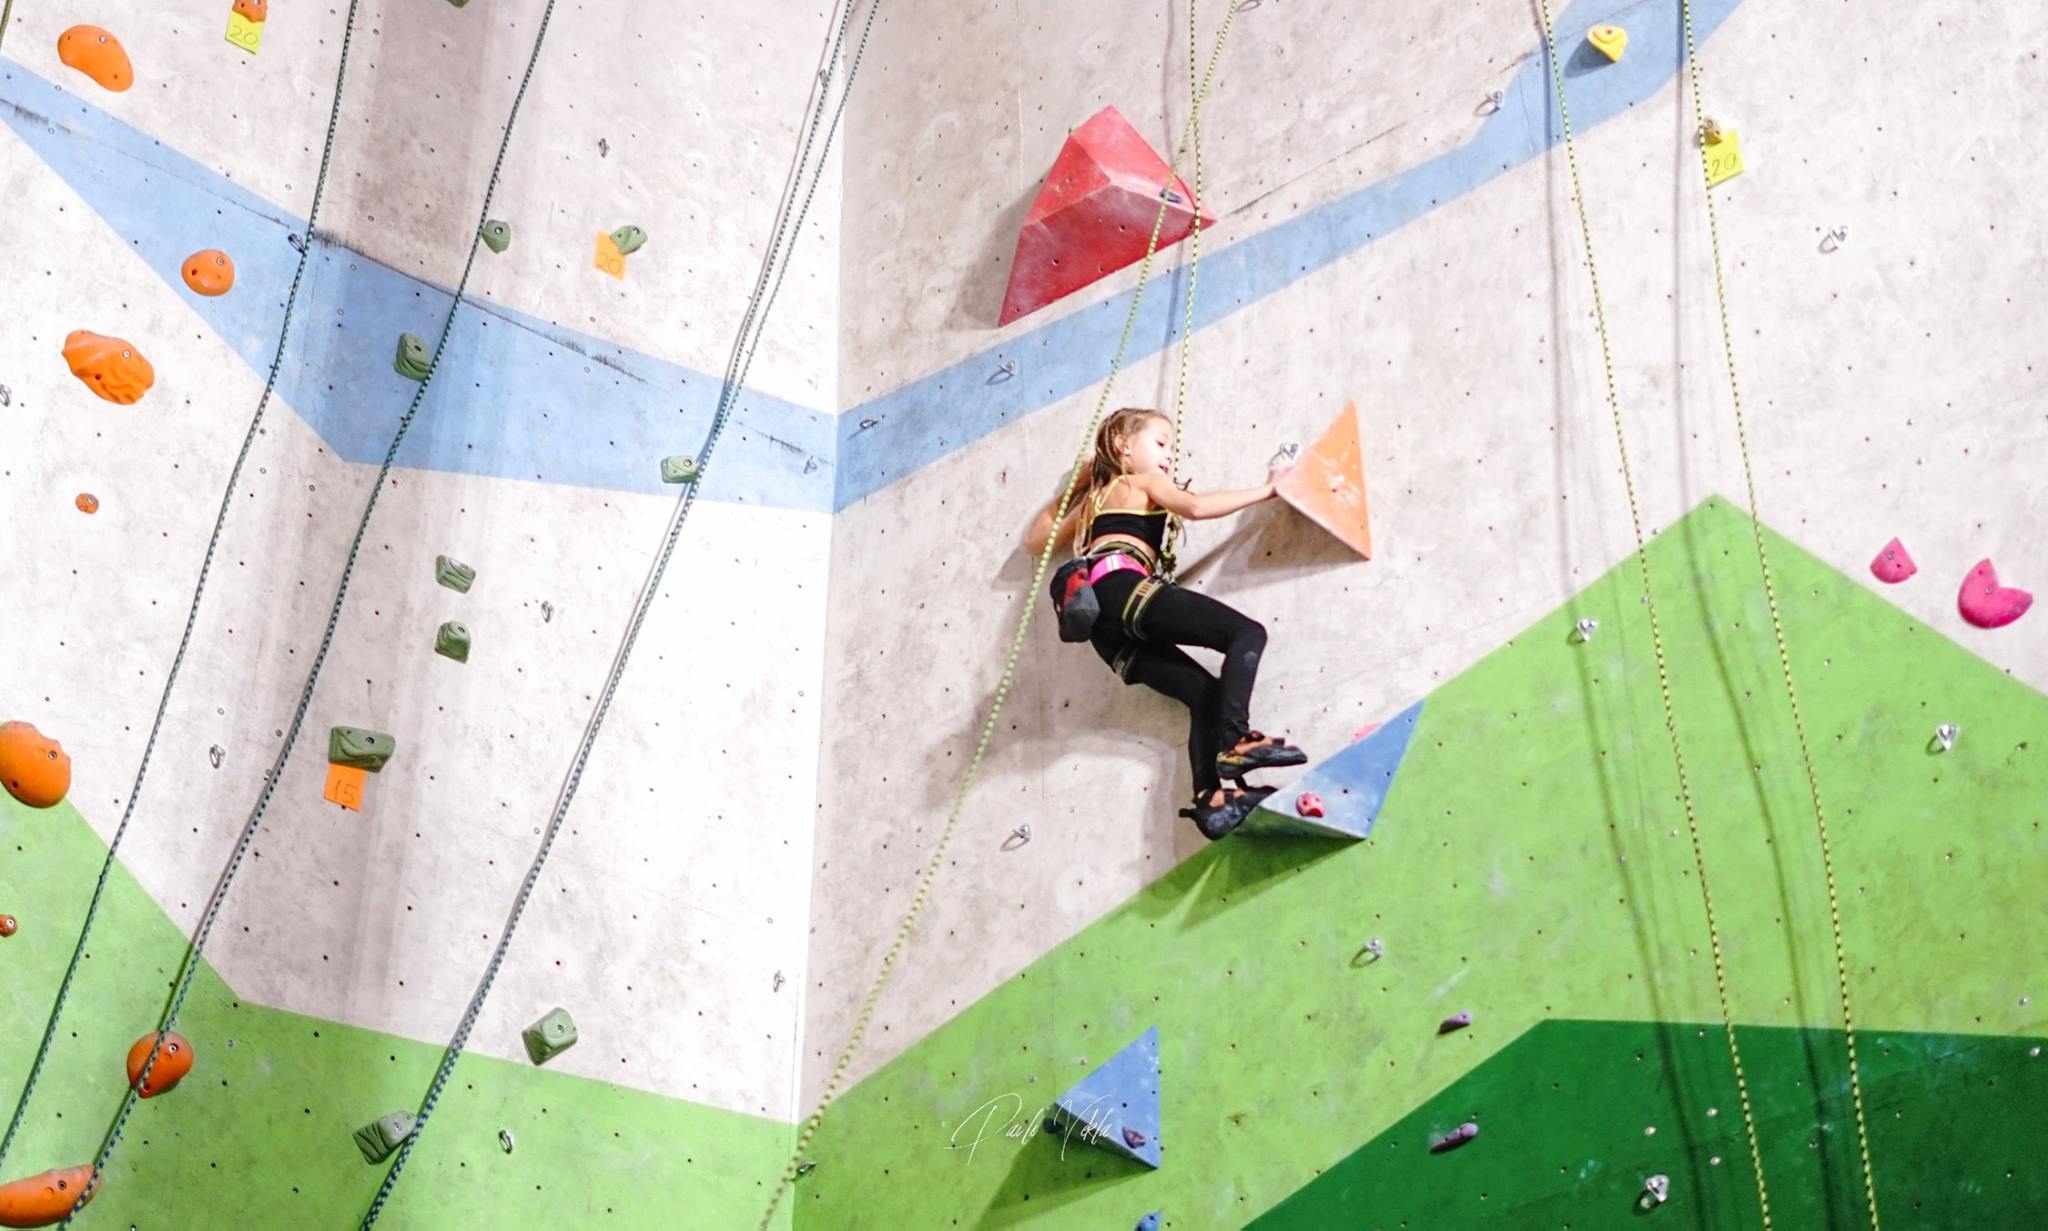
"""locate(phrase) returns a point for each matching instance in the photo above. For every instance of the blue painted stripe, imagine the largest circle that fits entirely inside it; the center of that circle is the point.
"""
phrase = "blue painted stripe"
(557, 405)
(911, 427)
(515, 396)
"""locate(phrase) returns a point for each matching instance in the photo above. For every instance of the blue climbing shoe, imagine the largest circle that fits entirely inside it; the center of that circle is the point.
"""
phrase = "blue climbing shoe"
(1218, 820)
(1275, 755)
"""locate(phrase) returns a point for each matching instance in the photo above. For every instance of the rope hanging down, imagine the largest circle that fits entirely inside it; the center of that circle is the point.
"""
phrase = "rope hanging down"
(192, 610)
(1692, 823)
(1002, 693)
(1763, 560)
(735, 378)
(197, 948)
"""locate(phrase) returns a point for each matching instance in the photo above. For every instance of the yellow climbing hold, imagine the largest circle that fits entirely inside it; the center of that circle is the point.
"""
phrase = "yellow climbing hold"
(1609, 41)
(1724, 157)
(245, 24)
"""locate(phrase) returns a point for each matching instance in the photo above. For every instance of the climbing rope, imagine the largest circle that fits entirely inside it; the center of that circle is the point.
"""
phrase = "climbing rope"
(1763, 560)
(198, 591)
(6, 18)
(1081, 461)
(214, 904)
(1168, 566)
(735, 377)
(1692, 823)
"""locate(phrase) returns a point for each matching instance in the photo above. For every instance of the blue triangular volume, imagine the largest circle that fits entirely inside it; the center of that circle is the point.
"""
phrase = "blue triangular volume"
(1353, 784)
(1117, 1106)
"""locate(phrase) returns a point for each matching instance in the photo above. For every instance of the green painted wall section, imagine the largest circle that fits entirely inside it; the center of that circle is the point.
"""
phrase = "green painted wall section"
(1566, 1114)
(1531, 863)
(259, 1134)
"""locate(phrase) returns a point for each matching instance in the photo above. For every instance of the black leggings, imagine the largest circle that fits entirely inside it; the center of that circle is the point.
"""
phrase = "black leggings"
(1219, 711)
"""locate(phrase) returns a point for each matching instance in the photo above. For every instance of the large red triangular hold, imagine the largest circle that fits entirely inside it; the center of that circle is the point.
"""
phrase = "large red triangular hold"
(1094, 214)
(1327, 485)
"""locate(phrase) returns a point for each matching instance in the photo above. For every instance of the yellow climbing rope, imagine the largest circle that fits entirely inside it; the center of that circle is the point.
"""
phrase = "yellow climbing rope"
(1763, 560)
(1081, 459)
(1692, 823)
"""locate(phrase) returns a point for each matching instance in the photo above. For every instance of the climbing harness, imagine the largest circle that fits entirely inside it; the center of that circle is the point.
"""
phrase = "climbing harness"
(1763, 560)
(760, 301)
(945, 836)
(198, 592)
(1777, 628)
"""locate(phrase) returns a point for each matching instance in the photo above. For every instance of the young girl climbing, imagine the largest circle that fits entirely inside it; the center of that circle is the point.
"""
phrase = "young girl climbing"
(1118, 522)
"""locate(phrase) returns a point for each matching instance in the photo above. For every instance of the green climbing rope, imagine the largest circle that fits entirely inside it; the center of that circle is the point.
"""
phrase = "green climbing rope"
(192, 609)
(197, 948)
(760, 301)
(937, 859)
(1692, 822)
(1763, 559)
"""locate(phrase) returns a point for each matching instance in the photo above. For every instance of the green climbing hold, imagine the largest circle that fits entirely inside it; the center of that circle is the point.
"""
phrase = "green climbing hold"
(497, 235)
(412, 359)
(360, 748)
(550, 1036)
(628, 240)
(454, 574)
(679, 469)
(381, 1136)
(452, 641)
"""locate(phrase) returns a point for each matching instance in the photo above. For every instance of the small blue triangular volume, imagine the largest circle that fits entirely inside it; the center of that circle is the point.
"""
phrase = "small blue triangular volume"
(1350, 785)
(1117, 1106)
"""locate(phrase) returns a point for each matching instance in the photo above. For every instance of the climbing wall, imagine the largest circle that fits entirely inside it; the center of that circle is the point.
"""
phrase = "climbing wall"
(1396, 226)
(670, 920)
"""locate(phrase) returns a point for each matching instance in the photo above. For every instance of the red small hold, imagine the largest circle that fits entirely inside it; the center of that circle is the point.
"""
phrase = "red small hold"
(7, 926)
(1310, 804)
(1893, 565)
(1457, 1021)
(1985, 603)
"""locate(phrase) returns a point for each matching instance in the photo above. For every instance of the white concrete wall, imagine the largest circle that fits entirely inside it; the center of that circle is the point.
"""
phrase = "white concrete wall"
(1892, 387)
(678, 890)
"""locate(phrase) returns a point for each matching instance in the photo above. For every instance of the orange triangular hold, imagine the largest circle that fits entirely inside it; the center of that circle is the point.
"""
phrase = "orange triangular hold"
(1327, 485)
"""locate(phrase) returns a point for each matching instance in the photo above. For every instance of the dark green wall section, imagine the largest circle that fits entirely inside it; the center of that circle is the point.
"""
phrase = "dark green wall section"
(1531, 863)
(259, 1135)
(1566, 1114)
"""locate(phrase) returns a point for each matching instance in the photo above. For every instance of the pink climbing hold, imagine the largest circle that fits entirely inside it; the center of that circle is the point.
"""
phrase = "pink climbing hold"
(1310, 804)
(1364, 731)
(1133, 1138)
(1987, 604)
(1455, 1138)
(1893, 565)
(1456, 1021)
(1094, 214)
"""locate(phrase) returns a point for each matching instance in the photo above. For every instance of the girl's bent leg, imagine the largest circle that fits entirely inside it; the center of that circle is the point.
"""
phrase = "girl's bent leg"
(1184, 617)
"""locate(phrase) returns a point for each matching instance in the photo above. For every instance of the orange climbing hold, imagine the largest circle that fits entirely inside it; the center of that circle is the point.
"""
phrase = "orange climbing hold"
(97, 54)
(87, 502)
(1328, 485)
(43, 1199)
(253, 10)
(34, 768)
(110, 367)
(173, 1061)
(210, 272)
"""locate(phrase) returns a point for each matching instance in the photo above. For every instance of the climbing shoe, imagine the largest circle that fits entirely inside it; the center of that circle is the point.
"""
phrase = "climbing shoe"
(1214, 822)
(1276, 755)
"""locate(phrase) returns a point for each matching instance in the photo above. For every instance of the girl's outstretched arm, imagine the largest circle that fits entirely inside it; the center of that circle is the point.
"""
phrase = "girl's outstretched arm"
(1202, 506)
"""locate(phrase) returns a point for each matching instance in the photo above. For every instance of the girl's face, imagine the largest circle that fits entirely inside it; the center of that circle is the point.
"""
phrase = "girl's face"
(1149, 448)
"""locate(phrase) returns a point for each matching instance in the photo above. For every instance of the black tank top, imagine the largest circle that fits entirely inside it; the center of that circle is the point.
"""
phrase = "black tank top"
(1148, 527)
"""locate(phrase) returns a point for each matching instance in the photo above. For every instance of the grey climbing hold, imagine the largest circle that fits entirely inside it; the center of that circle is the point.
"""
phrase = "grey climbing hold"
(628, 240)
(604, 147)
(1456, 1021)
(505, 1139)
(361, 748)
(1945, 735)
(412, 361)
(679, 469)
(459, 3)
(805, 1167)
(453, 573)
(778, 981)
(452, 641)
(296, 240)
(1455, 1138)
(1585, 628)
(550, 1036)
(215, 755)
(1656, 1191)
(547, 612)
(6, 396)
(381, 1136)
(497, 235)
